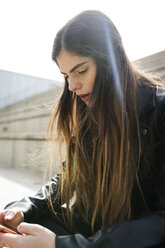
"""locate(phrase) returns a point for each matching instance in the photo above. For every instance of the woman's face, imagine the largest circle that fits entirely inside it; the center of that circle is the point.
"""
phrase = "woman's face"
(80, 73)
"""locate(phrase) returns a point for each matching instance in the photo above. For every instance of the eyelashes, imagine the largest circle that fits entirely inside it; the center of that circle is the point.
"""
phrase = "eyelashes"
(79, 73)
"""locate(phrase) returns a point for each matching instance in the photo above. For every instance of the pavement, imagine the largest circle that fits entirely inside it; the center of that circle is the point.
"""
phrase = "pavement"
(15, 184)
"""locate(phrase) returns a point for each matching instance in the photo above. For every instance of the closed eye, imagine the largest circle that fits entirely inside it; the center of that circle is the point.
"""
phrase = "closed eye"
(81, 72)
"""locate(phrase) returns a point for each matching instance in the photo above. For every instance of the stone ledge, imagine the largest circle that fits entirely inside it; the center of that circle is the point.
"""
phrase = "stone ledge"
(22, 117)
(23, 136)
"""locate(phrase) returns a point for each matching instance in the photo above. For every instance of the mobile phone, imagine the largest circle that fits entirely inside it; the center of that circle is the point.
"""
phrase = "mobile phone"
(7, 229)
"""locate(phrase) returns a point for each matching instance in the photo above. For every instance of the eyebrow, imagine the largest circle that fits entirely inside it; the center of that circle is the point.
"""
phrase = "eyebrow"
(75, 67)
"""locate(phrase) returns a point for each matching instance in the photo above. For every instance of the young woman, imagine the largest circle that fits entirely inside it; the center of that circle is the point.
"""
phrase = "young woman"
(111, 117)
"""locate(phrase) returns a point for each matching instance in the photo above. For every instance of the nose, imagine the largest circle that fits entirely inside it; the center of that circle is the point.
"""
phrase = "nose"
(74, 85)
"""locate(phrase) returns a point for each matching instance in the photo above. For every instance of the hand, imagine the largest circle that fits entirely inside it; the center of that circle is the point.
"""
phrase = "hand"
(11, 217)
(34, 236)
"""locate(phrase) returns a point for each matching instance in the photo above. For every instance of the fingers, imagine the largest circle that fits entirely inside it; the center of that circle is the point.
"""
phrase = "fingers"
(11, 217)
(9, 240)
(29, 229)
(1, 216)
(7, 215)
(13, 214)
(34, 236)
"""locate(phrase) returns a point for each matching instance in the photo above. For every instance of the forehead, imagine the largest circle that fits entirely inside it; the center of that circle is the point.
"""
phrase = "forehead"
(67, 60)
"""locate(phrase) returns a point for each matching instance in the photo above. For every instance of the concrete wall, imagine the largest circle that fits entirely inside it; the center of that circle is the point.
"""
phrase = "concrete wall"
(153, 63)
(15, 87)
(23, 128)
(23, 125)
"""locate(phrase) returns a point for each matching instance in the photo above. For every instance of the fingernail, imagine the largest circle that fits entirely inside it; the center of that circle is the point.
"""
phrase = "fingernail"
(9, 216)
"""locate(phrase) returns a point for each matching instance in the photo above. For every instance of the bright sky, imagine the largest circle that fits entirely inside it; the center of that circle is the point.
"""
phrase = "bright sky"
(28, 28)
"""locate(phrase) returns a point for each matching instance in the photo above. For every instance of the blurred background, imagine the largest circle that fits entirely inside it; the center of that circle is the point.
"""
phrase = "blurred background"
(30, 81)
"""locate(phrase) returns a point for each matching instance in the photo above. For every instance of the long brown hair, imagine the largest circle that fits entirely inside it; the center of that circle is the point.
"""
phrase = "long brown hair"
(102, 139)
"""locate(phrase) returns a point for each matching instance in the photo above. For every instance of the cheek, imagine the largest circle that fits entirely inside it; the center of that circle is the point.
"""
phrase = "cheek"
(92, 79)
(89, 82)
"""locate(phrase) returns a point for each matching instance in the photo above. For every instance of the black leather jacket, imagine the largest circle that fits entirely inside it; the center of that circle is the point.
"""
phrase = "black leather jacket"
(146, 228)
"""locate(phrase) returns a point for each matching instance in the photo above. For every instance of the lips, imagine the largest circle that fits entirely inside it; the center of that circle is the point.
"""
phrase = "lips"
(85, 97)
